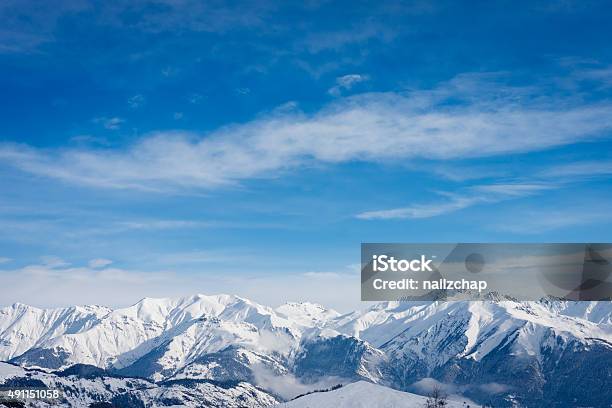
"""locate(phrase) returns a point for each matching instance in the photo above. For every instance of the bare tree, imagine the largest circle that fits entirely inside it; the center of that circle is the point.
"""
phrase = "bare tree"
(437, 399)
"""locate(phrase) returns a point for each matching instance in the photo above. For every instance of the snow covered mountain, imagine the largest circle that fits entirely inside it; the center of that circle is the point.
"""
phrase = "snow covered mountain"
(96, 389)
(494, 351)
(177, 331)
(502, 352)
(307, 314)
(24, 327)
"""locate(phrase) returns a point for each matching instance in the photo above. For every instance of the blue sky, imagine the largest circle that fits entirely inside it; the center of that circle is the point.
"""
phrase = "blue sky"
(172, 147)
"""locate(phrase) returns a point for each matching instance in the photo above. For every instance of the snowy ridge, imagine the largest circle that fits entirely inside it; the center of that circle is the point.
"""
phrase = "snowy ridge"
(234, 340)
(132, 392)
(198, 325)
(118, 338)
(363, 394)
(307, 314)
(484, 325)
(23, 327)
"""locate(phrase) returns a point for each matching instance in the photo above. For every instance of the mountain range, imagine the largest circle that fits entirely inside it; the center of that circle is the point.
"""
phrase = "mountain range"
(210, 350)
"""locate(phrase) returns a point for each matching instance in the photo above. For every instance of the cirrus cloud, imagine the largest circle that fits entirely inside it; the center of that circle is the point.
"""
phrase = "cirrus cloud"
(468, 117)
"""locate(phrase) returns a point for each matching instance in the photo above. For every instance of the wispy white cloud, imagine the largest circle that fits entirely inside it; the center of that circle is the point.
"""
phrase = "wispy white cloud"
(554, 177)
(21, 34)
(136, 101)
(600, 75)
(514, 189)
(346, 82)
(580, 169)
(586, 70)
(89, 140)
(99, 263)
(53, 262)
(484, 120)
(475, 195)
(189, 15)
(461, 173)
(195, 98)
(415, 211)
(316, 42)
(110, 123)
(4, 259)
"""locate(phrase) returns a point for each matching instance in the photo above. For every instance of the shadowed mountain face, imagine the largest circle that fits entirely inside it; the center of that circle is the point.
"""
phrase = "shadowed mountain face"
(545, 353)
(339, 356)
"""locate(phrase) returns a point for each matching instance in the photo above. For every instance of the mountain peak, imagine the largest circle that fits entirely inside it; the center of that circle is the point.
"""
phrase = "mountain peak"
(307, 314)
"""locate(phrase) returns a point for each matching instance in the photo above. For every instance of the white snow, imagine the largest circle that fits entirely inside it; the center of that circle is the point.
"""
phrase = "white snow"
(307, 314)
(82, 392)
(418, 327)
(191, 326)
(194, 326)
(9, 371)
(362, 395)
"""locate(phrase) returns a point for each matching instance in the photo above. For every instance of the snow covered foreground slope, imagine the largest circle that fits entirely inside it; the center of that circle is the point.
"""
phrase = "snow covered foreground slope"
(89, 390)
(504, 352)
(363, 394)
